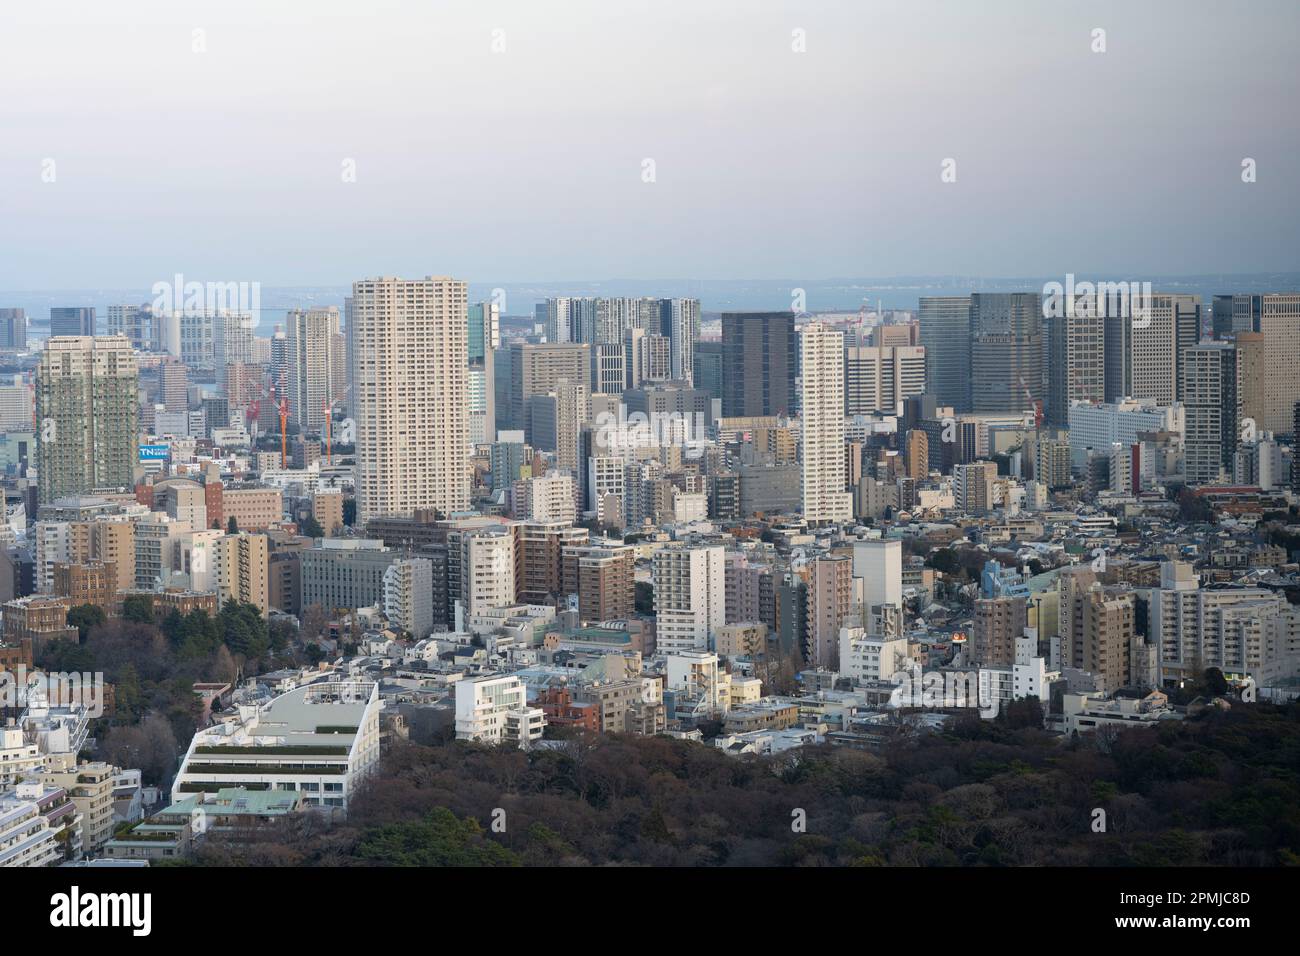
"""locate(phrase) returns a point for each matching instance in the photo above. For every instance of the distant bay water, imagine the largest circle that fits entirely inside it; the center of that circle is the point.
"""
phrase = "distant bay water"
(715, 295)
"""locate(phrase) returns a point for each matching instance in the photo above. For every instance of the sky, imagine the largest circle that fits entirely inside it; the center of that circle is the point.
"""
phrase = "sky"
(508, 141)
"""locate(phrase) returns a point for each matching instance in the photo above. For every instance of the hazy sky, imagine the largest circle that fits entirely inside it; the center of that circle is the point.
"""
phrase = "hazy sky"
(527, 164)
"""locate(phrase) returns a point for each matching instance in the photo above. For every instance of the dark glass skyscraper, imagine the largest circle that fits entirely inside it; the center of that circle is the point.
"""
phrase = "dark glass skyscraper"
(759, 363)
(75, 320)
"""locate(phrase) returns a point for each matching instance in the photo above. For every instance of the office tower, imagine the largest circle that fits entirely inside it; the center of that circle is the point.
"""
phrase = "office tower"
(345, 572)
(1076, 369)
(1231, 314)
(13, 329)
(680, 324)
(759, 363)
(72, 321)
(1211, 410)
(197, 339)
(821, 366)
(482, 405)
(608, 369)
(1006, 352)
(484, 330)
(173, 386)
(557, 418)
(535, 369)
(87, 407)
(690, 595)
(708, 368)
(411, 395)
(946, 338)
(880, 378)
(998, 623)
(1277, 319)
(1143, 343)
(1188, 322)
(312, 361)
(137, 323)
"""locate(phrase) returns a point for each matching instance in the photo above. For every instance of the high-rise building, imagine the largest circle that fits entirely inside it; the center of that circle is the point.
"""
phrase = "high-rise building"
(880, 378)
(998, 622)
(1277, 388)
(1212, 411)
(708, 368)
(13, 329)
(946, 338)
(680, 324)
(821, 366)
(137, 323)
(87, 407)
(759, 361)
(830, 601)
(1076, 369)
(535, 370)
(690, 596)
(1144, 343)
(1006, 352)
(1098, 632)
(484, 330)
(74, 320)
(312, 361)
(410, 388)
(608, 368)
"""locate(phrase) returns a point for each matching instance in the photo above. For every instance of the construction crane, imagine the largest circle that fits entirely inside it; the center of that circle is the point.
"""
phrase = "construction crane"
(1035, 404)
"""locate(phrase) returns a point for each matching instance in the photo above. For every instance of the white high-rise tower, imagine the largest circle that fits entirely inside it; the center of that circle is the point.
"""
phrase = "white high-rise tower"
(411, 388)
(821, 392)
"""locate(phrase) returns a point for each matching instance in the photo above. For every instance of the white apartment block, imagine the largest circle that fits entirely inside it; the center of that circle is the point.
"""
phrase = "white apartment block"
(487, 568)
(867, 659)
(411, 395)
(821, 390)
(548, 498)
(690, 594)
(1245, 632)
(697, 676)
(321, 740)
(26, 837)
(408, 595)
(494, 709)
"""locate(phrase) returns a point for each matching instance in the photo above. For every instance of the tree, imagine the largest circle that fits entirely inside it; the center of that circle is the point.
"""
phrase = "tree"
(84, 617)
(644, 597)
(310, 527)
(944, 560)
(138, 608)
(232, 525)
(1215, 682)
(349, 511)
